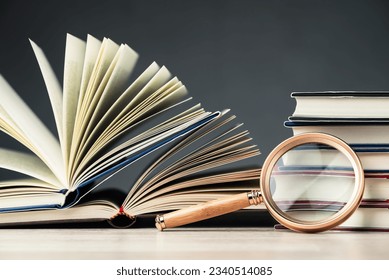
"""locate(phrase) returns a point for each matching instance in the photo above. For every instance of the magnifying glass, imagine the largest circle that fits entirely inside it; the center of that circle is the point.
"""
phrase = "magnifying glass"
(311, 182)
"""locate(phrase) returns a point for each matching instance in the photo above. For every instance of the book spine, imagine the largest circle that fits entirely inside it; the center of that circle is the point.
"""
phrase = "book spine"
(122, 219)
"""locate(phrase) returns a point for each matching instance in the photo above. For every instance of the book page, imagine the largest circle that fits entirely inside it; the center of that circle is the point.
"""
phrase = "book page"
(117, 80)
(140, 185)
(196, 191)
(173, 125)
(130, 93)
(157, 81)
(9, 127)
(105, 57)
(126, 154)
(112, 87)
(53, 88)
(45, 145)
(171, 93)
(26, 185)
(184, 171)
(99, 211)
(11, 203)
(165, 184)
(141, 103)
(91, 53)
(73, 67)
(121, 102)
(23, 195)
(28, 164)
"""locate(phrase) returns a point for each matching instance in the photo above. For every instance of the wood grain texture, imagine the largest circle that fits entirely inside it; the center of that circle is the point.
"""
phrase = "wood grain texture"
(206, 210)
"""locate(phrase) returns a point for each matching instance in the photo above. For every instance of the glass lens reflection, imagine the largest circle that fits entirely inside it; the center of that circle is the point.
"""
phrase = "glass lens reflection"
(312, 182)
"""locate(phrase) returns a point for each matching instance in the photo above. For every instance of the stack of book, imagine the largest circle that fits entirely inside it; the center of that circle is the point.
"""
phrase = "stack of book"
(362, 120)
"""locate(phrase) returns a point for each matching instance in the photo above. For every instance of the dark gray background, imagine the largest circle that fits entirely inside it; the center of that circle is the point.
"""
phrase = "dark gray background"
(244, 55)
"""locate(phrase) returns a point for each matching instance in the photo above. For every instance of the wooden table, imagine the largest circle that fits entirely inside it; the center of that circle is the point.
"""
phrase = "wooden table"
(190, 243)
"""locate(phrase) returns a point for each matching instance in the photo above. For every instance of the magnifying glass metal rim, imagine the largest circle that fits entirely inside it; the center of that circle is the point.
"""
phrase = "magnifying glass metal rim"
(332, 221)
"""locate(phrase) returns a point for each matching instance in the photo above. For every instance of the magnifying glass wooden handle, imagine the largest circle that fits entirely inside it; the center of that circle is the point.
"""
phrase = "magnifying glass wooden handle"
(208, 210)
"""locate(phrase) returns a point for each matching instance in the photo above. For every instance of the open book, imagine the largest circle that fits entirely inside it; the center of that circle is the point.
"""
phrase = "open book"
(105, 122)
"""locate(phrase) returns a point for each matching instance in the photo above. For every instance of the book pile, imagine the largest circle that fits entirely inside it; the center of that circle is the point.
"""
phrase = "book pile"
(362, 120)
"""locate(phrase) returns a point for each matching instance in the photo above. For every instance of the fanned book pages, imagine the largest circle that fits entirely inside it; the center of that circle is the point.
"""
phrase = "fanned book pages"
(106, 122)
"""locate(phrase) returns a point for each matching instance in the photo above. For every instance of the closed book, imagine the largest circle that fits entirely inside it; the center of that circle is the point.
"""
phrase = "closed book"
(353, 132)
(342, 104)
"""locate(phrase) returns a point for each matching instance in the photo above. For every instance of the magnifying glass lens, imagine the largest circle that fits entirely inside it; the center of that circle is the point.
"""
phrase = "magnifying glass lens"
(312, 182)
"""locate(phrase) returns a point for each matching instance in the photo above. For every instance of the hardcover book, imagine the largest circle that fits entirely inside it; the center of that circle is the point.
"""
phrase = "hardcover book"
(342, 104)
(106, 121)
(359, 118)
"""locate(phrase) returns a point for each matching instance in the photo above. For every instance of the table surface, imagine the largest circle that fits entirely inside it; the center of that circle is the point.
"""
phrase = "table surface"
(190, 243)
